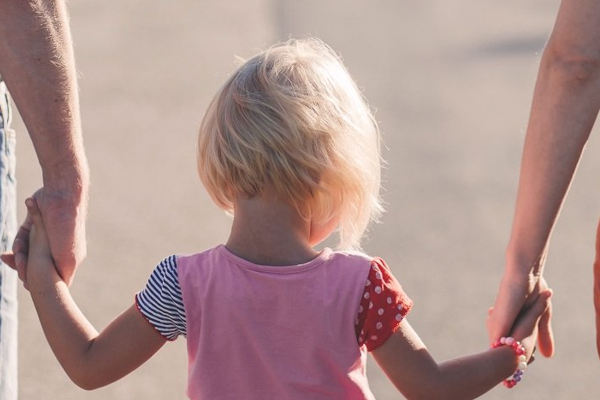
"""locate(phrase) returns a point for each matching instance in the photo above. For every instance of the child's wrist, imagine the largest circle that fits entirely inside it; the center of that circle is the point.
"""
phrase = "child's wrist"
(520, 356)
(43, 278)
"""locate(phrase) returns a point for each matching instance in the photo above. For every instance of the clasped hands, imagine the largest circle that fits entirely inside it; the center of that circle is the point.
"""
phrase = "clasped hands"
(516, 295)
(63, 216)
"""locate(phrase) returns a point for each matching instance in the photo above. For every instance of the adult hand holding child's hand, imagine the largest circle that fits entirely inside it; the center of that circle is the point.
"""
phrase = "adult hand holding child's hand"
(63, 213)
(514, 298)
(37, 256)
(525, 329)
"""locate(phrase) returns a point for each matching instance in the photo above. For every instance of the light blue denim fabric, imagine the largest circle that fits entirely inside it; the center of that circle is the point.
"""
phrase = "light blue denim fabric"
(8, 277)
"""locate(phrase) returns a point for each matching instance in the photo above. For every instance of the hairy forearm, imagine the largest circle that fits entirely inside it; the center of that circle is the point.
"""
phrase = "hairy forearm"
(38, 67)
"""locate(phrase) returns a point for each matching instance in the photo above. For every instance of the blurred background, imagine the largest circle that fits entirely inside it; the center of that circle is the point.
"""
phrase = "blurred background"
(451, 84)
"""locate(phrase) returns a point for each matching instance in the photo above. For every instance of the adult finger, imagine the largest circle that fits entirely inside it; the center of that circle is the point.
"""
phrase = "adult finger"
(546, 336)
(530, 318)
(33, 211)
(9, 259)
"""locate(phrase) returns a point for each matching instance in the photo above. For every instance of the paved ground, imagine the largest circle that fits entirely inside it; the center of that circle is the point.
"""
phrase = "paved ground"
(451, 83)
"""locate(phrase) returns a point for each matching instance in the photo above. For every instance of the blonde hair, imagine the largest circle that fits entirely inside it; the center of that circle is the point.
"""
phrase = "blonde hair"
(292, 118)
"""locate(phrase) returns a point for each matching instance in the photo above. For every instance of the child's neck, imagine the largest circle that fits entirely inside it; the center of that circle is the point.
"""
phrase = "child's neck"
(266, 231)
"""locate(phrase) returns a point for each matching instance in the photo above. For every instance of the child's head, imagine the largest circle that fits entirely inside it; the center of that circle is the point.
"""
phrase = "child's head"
(292, 121)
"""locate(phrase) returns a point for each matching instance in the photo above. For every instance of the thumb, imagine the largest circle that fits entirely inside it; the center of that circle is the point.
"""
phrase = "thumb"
(34, 211)
(38, 230)
(527, 322)
(546, 337)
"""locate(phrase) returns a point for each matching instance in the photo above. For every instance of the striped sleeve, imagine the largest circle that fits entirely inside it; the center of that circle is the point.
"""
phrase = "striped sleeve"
(161, 303)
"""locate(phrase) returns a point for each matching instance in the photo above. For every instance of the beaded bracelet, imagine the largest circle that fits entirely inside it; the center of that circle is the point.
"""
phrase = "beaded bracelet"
(520, 352)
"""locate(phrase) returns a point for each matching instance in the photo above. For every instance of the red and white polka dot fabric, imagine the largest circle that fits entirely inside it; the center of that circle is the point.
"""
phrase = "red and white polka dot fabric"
(383, 306)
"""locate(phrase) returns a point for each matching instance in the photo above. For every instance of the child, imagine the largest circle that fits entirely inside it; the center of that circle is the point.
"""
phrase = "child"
(290, 149)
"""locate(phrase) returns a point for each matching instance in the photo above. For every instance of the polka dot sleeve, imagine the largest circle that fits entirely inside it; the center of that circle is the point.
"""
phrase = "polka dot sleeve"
(383, 306)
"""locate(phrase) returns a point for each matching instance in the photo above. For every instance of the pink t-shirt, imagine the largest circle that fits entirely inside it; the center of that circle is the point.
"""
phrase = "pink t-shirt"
(262, 332)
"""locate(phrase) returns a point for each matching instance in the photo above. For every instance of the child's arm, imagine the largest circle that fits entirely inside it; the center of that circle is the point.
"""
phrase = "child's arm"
(410, 367)
(90, 359)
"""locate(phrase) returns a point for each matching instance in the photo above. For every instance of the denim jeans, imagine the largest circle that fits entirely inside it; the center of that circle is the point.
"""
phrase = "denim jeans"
(8, 277)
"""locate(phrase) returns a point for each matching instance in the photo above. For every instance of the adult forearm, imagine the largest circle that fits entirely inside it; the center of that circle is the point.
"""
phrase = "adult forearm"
(37, 64)
(565, 106)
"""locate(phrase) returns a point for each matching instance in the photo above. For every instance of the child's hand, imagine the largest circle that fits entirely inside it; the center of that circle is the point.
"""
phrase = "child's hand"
(38, 241)
(39, 259)
(525, 328)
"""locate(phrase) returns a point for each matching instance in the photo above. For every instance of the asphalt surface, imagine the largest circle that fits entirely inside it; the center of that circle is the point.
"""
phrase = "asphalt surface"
(451, 83)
